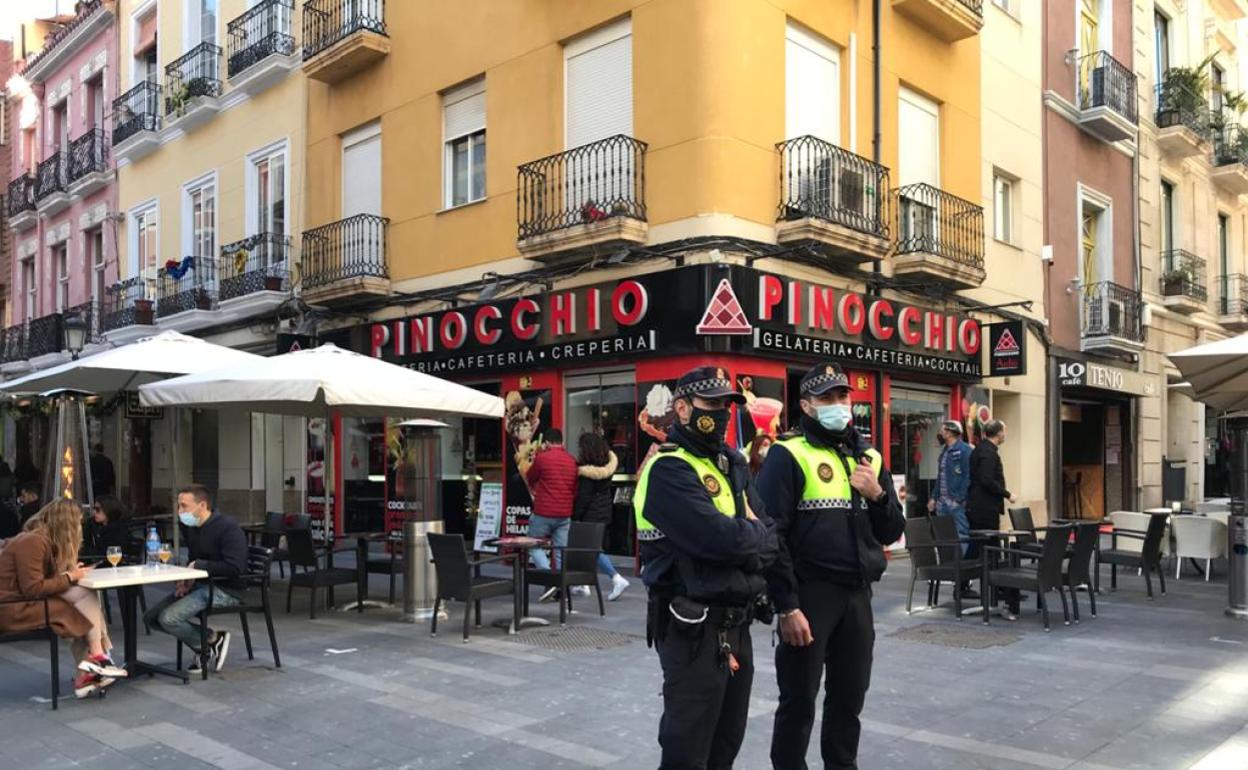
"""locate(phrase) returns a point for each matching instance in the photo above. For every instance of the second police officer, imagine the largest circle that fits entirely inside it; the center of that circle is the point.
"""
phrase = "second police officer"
(834, 507)
(705, 542)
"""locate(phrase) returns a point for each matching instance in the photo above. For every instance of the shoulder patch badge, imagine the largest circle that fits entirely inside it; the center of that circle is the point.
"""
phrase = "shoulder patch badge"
(712, 484)
(825, 472)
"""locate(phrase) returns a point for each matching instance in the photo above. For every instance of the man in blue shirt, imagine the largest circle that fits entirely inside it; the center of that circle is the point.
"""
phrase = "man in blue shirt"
(953, 479)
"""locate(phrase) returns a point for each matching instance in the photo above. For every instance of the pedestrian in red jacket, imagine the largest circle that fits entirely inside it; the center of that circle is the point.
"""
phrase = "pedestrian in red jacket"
(552, 480)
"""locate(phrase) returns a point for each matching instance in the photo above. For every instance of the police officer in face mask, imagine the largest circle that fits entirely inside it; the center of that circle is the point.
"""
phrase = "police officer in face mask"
(705, 542)
(834, 506)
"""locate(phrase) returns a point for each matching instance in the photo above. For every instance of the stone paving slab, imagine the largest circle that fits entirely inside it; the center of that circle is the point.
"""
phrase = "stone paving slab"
(1147, 684)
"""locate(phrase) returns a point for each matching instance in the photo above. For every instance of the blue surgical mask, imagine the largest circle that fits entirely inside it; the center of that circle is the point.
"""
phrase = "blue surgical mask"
(188, 519)
(834, 417)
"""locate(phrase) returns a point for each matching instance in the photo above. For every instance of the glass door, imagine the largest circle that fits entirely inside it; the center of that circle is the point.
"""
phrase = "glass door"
(605, 404)
(915, 416)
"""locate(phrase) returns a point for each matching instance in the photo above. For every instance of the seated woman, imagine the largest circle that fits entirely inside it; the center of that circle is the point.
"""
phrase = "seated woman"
(42, 562)
(106, 528)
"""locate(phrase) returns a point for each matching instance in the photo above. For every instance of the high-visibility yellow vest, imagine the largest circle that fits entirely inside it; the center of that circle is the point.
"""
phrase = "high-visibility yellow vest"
(713, 482)
(827, 482)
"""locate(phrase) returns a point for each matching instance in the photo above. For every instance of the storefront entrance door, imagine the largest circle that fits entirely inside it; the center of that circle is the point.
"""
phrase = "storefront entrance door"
(915, 416)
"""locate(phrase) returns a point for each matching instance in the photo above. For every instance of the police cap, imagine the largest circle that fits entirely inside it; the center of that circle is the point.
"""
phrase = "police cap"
(707, 382)
(822, 378)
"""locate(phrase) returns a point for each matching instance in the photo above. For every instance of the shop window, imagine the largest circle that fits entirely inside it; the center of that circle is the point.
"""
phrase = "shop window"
(914, 419)
(364, 474)
(605, 404)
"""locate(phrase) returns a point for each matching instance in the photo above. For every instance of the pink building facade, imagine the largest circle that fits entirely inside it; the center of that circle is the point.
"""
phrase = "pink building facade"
(62, 198)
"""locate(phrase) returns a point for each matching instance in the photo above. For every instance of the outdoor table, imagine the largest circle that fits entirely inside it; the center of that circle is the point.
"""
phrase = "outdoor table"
(130, 581)
(362, 539)
(520, 545)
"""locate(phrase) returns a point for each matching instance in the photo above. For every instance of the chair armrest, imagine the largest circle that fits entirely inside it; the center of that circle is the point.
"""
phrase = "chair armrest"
(486, 560)
(567, 549)
(1129, 534)
(1015, 551)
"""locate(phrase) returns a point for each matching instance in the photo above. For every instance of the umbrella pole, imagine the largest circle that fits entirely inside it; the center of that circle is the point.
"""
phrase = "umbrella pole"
(176, 415)
(331, 478)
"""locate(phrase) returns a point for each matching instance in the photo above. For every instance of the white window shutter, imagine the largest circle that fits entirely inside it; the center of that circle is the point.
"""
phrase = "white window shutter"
(463, 110)
(599, 91)
(361, 177)
(811, 86)
(918, 133)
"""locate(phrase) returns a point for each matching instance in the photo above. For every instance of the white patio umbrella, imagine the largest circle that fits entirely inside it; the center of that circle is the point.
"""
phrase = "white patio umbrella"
(320, 382)
(1217, 372)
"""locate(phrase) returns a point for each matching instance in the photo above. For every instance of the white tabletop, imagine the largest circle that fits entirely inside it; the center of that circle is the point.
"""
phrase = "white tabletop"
(107, 577)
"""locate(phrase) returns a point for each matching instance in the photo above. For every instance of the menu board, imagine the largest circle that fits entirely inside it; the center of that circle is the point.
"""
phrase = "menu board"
(489, 516)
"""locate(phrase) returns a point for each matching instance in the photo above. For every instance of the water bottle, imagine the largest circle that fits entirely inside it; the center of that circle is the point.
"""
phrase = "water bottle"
(153, 547)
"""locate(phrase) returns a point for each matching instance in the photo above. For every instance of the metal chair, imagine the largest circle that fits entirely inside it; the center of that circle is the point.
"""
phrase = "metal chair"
(1045, 575)
(258, 576)
(314, 575)
(43, 633)
(1147, 559)
(459, 578)
(578, 566)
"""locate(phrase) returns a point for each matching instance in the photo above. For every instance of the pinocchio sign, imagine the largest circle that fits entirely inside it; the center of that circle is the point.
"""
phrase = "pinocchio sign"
(692, 309)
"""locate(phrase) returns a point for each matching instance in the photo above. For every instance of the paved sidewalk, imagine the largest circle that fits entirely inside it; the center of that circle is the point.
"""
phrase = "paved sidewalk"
(1161, 684)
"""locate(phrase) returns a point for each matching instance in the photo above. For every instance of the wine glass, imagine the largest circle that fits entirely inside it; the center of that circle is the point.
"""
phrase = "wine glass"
(114, 556)
(164, 553)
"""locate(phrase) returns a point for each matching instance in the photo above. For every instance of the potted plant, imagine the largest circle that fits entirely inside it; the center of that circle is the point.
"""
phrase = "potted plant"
(1181, 98)
(144, 312)
(1176, 280)
(272, 282)
(203, 300)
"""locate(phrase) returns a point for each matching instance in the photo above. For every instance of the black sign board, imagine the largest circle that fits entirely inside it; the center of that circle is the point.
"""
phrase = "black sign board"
(136, 410)
(288, 343)
(1007, 349)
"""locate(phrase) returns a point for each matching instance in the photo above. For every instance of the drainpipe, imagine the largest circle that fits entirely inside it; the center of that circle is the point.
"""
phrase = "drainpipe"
(875, 156)
(1136, 423)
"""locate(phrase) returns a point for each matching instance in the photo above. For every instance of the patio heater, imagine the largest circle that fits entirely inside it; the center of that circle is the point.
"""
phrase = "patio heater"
(67, 472)
(418, 489)
(1237, 522)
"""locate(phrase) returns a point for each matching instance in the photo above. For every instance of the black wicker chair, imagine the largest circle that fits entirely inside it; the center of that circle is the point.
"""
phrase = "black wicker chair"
(306, 570)
(44, 633)
(1147, 559)
(578, 566)
(1043, 576)
(459, 578)
(256, 581)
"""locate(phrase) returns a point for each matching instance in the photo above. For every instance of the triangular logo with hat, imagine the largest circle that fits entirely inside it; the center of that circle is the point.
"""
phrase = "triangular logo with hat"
(294, 346)
(724, 314)
(1006, 344)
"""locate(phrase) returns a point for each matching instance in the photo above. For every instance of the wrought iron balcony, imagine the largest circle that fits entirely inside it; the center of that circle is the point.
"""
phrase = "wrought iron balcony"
(932, 221)
(13, 344)
(354, 247)
(1230, 146)
(1111, 313)
(194, 75)
(1183, 274)
(86, 9)
(822, 181)
(1178, 105)
(21, 195)
(127, 303)
(1233, 298)
(44, 335)
(135, 111)
(88, 154)
(255, 264)
(53, 176)
(326, 22)
(189, 285)
(1107, 96)
(593, 183)
(259, 33)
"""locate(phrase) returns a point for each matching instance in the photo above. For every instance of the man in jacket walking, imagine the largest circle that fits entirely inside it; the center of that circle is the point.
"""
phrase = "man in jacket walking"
(953, 479)
(985, 501)
(834, 506)
(552, 480)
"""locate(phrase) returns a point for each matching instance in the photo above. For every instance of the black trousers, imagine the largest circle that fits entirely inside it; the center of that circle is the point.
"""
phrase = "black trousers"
(705, 707)
(843, 626)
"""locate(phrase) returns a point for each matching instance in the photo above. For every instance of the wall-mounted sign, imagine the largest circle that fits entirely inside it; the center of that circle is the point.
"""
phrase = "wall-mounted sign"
(1088, 374)
(136, 411)
(1007, 349)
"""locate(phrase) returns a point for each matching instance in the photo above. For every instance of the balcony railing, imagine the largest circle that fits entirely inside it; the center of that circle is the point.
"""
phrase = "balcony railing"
(127, 303)
(195, 74)
(85, 10)
(1106, 82)
(1183, 275)
(820, 180)
(326, 22)
(53, 176)
(262, 32)
(88, 154)
(1230, 146)
(975, 6)
(1110, 310)
(1233, 294)
(189, 286)
(43, 335)
(136, 110)
(1178, 105)
(13, 344)
(586, 184)
(21, 196)
(258, 263)
(350, 248)
(931, 221)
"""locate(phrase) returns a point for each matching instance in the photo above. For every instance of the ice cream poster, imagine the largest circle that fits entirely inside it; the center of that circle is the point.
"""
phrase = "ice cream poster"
(655, 417)
(763, 411)
(526, 413)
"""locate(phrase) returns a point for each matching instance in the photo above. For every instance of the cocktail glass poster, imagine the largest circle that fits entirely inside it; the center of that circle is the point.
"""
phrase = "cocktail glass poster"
(320, 481)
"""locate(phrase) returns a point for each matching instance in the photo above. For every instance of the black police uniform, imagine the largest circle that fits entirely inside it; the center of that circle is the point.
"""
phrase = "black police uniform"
(703, 566)
(830, 553)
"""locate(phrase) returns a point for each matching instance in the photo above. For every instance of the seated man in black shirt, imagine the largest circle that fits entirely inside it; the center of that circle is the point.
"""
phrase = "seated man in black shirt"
(28, 501)
(218, 546)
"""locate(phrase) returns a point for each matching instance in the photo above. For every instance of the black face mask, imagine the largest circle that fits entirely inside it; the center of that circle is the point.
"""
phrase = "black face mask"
(709, 426)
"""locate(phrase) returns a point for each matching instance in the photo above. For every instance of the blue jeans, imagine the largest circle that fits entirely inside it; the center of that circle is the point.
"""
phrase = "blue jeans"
(556, 530)
(605, 566)
(176, 615)
(958, 512)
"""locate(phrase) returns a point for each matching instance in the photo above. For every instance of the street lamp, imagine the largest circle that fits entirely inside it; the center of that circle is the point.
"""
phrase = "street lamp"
(75, 334)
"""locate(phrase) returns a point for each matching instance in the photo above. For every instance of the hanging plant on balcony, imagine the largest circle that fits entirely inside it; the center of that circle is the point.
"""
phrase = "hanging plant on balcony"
(176, 270)
(591, 213)
(1183, 92)
(240, 261)
(1174, 282)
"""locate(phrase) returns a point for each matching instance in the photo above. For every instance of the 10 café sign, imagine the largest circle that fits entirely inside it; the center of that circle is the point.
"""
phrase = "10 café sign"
(1086, 374)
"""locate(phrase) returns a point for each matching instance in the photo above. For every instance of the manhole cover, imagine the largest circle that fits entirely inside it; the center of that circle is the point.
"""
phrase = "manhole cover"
(573, 639)
(964, 636)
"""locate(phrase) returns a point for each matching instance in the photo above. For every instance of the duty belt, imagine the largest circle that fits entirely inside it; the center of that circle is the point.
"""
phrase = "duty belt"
(729, 617)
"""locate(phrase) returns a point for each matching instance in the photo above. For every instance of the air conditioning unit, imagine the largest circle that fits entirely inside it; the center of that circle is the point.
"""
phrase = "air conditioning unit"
(918, 225)
(1115, 316)
(854, 201)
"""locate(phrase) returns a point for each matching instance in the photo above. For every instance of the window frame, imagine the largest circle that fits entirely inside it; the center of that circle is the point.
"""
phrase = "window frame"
(137, 219)
(1010, 234)
(30, 285)
(1161, 40)
(190, 236)
(1104, 253)
(280, 148)
(60, 261)
(451, 97)
(94, 257)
